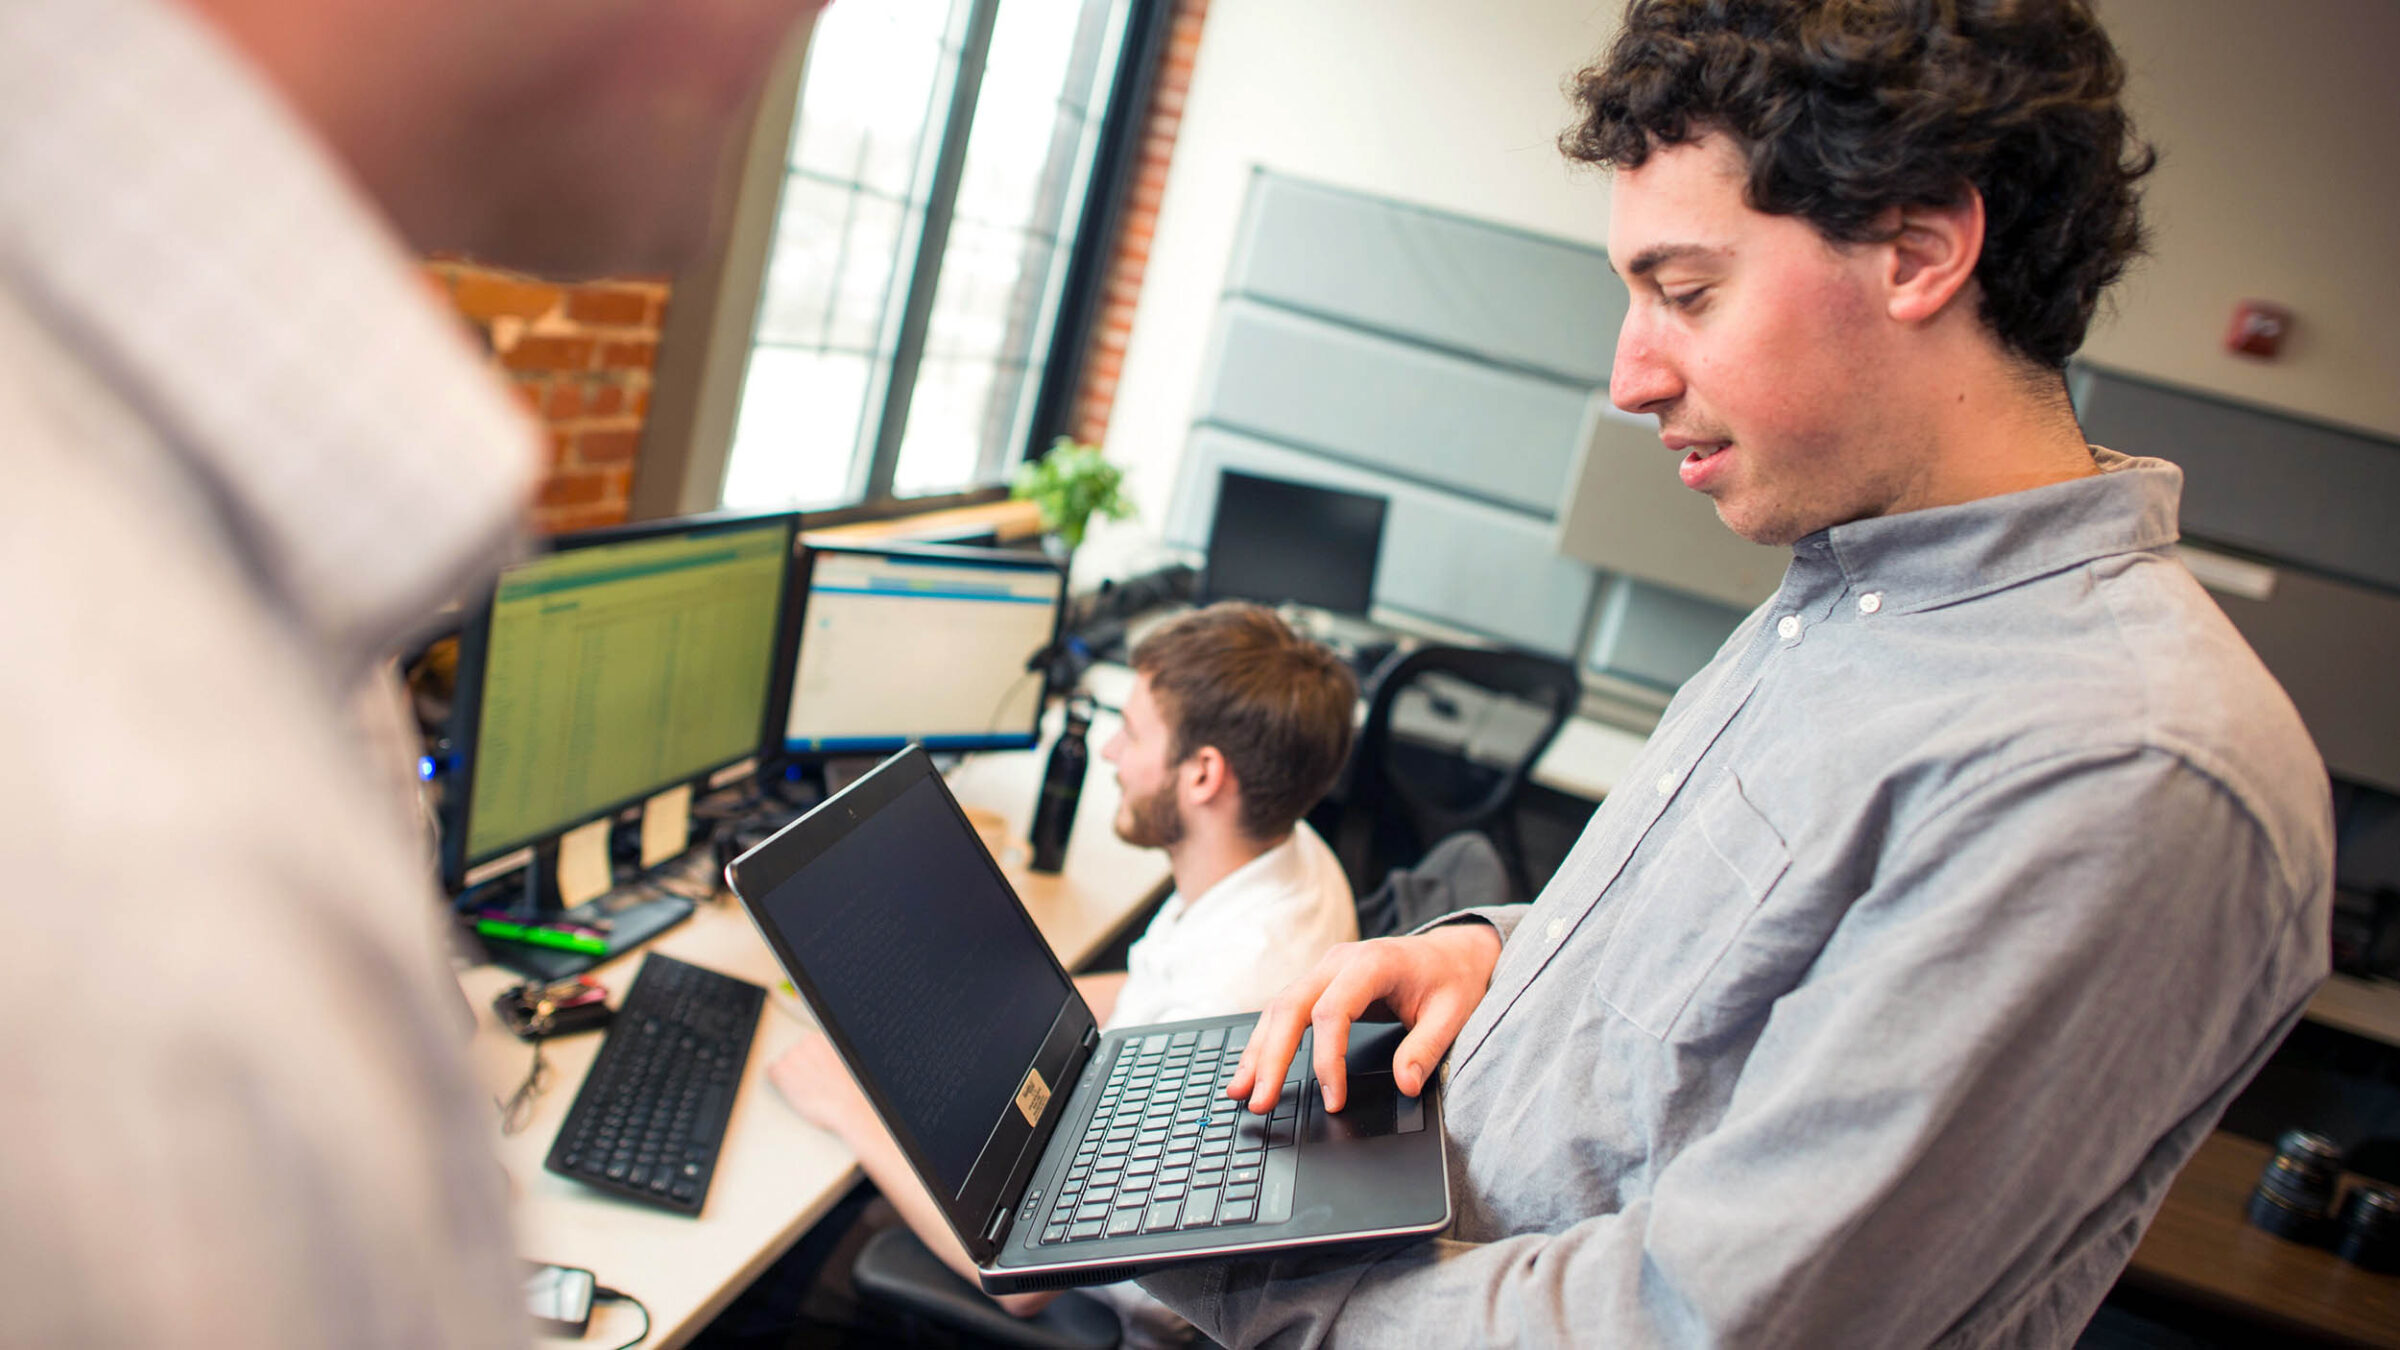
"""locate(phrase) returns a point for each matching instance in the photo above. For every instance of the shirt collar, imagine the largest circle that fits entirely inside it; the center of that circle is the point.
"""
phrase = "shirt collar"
(178, 228)
(1921, 559)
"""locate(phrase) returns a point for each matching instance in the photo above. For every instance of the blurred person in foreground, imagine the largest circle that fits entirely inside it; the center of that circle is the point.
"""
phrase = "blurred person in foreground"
(1235, 726)
(1949, 905)
(247, 450)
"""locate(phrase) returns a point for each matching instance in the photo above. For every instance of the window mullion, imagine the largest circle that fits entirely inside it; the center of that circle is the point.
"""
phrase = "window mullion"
(925, 276)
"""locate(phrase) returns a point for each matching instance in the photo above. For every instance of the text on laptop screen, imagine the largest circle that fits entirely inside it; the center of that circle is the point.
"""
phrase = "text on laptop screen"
(895, 648)
(928, 967)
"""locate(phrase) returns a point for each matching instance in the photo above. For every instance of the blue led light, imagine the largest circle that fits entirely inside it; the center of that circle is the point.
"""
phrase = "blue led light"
(425, 768)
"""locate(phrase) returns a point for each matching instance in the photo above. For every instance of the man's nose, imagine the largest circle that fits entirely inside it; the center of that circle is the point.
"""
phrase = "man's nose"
(1642, 381)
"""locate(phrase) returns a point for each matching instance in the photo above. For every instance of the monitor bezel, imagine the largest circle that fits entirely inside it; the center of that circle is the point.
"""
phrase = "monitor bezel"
(474, 641)
(803, 583)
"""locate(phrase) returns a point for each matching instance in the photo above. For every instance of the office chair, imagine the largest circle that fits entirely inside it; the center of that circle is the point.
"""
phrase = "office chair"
(1451, 734)
(1463, 871)
(898, 1272)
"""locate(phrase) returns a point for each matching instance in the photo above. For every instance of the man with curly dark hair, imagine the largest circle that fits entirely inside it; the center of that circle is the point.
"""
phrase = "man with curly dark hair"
(1950, 904)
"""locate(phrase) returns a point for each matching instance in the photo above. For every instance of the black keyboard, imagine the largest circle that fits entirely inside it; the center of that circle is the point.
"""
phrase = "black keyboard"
(1167, 1149)
(648, 1119)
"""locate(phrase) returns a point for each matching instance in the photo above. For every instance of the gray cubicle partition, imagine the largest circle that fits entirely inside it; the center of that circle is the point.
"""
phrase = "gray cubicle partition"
(2294, 526)
(1446, 364)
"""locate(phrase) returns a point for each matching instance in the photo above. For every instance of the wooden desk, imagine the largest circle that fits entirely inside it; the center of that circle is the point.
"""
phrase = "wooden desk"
(2200, 1250)
(776, 1174)
(2369, 1008)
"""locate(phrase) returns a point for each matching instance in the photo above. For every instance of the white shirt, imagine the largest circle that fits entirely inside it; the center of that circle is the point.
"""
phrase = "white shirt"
(1230, 948)
(246, 452)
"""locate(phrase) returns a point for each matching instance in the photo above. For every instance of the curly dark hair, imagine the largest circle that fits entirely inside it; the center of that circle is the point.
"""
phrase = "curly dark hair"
(1844, 109)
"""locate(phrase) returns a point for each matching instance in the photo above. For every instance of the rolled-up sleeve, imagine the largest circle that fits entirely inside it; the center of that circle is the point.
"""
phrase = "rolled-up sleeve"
(1991, 1069)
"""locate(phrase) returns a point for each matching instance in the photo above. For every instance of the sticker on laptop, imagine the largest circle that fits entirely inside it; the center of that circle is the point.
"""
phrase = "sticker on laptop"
(1032, 1097)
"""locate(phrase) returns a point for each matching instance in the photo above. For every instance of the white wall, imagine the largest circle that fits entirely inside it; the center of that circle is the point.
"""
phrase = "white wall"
(1450, 104)
(2280, 181)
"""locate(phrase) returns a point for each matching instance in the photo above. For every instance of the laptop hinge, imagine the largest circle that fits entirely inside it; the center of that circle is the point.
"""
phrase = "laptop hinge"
(997, 1234)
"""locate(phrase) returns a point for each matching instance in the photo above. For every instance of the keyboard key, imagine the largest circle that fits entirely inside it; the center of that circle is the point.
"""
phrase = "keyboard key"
(1083, 1231)
(1247, 1191)
(1200, 1210)
(1237, 1211)
(1124, 1221)
(1162, 1216)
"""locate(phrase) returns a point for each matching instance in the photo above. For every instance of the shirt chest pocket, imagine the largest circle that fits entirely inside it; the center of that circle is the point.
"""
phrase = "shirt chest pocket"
(1688, 890)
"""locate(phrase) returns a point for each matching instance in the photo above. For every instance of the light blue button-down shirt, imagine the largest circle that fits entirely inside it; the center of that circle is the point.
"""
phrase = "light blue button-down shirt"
(1933, 930)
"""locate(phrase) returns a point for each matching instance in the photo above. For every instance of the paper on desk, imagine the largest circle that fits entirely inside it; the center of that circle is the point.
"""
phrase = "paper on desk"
(583, 872)
(666, 824)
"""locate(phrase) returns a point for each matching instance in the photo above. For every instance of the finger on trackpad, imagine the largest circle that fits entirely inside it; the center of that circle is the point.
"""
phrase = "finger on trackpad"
(1375, 1106)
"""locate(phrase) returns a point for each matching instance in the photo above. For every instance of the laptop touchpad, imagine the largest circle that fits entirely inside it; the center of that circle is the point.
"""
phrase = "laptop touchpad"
(1376, 1107)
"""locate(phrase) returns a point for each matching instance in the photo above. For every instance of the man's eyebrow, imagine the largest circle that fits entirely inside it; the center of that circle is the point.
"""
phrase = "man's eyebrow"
(1651, 259)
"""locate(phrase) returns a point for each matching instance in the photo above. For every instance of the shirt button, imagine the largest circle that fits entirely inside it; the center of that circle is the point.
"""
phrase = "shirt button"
(1666, 785)
(1870, 602)
(1788, 627)
(1557, 926)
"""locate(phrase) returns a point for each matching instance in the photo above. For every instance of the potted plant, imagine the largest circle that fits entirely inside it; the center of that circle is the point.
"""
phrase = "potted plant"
(1071, 483)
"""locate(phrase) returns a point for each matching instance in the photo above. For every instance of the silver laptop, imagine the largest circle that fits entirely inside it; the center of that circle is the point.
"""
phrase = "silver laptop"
(1062, 1155)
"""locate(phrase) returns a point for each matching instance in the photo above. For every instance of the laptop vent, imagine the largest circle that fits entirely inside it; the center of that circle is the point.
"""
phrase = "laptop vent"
(1076, 1280)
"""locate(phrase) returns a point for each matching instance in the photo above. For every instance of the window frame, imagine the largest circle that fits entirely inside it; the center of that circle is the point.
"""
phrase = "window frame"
(713, 311)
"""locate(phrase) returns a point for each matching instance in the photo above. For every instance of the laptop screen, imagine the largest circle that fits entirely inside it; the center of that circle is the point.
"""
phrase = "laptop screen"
(928, 968)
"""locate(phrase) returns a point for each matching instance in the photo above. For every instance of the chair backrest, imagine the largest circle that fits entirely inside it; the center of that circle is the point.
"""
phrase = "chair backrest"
(1450, 736)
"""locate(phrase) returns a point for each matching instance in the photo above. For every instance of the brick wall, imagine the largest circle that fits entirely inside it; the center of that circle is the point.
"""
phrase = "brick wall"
(581, 356)
(1106, 356)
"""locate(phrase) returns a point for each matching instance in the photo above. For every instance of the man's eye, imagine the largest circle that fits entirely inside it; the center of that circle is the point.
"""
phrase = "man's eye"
(1685, 299)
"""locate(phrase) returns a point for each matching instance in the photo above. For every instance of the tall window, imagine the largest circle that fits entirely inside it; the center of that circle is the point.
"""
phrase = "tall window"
(937, 180)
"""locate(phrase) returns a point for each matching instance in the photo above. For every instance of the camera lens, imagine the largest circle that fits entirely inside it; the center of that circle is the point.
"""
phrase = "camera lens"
(2294, 1198)
(2371, 1229)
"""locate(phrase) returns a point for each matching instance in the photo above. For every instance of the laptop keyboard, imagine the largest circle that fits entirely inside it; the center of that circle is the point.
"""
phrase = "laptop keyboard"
(1167, 1150)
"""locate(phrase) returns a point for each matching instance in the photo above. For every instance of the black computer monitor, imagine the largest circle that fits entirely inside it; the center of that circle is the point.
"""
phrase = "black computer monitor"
(938, 645)
(1276, 541)
(615, 665)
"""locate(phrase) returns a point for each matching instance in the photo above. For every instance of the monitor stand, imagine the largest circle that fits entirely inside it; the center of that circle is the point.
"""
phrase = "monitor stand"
(628, 916)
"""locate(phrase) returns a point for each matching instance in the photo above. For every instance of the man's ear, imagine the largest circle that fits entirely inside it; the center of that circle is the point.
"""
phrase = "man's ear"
(1205, 776)
(1934, 250)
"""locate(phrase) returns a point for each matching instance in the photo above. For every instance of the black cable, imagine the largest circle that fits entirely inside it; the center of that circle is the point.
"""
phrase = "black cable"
(603, 1294)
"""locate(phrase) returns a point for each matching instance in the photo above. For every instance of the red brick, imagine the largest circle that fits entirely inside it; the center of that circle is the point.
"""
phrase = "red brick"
(550, 353)
(490, 295)
(529, 394)
(641, 402)
(566, 400)
(606, 400)
(574, 487)
(560, 444)
(608, 447)
(567, 519)
(629, 355)
(616, 306)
